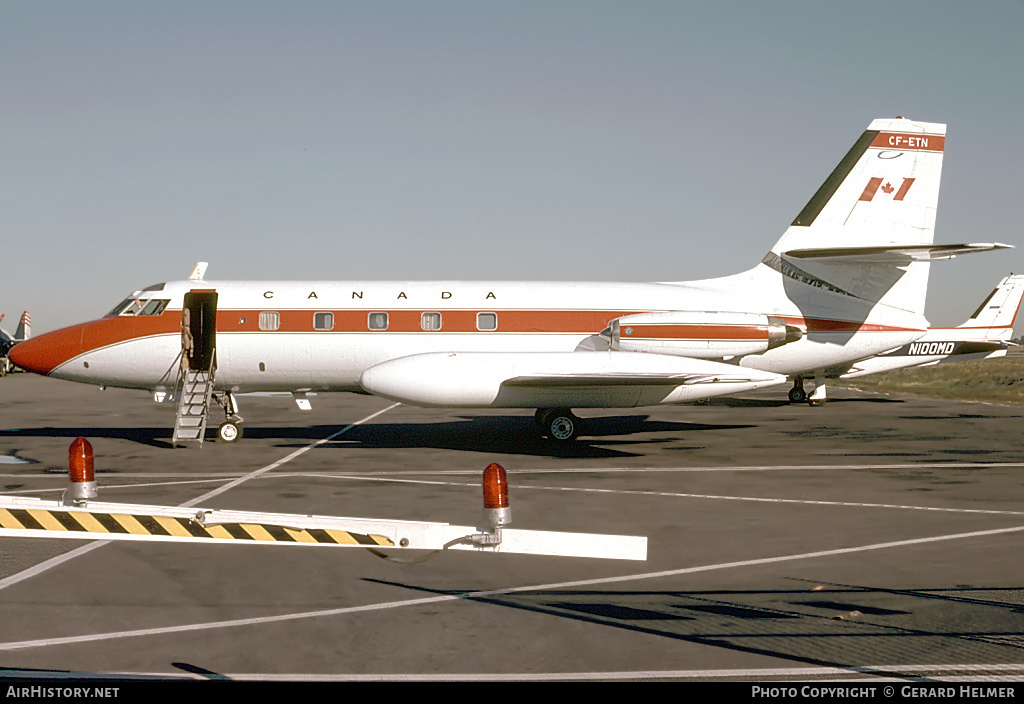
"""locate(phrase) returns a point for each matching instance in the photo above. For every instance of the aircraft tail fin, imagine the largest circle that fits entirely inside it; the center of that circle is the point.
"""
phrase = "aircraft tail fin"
(998, 312)
(24, 330)
(863, 232)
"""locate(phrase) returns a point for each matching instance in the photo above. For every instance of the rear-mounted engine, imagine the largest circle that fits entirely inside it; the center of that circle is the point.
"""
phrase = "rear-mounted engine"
(703, 335)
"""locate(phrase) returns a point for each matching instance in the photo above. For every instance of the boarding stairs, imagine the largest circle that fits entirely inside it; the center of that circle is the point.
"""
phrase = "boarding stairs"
(193, 389)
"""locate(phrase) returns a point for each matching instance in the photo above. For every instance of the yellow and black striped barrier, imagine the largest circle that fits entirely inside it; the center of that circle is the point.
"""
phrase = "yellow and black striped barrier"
(113, 525)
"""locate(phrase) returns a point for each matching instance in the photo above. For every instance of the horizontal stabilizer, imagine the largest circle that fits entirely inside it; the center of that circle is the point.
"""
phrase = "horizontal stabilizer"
(895, 254)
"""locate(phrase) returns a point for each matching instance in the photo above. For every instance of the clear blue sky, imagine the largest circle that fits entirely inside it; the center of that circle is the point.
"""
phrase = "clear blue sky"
(580, 140)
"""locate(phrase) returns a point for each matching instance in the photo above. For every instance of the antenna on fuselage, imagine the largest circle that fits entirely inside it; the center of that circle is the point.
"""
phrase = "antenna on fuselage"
(199, 272)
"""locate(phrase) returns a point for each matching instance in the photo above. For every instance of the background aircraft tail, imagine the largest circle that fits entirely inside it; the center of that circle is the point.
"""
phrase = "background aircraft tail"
(24, 330)
(998, 313)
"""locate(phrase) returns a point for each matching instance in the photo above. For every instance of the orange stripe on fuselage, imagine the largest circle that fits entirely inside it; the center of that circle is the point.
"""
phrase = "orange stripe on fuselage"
(521, 321)
(43, 353)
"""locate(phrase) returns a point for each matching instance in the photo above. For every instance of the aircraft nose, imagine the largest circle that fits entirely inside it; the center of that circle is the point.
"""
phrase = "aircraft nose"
(44, 353)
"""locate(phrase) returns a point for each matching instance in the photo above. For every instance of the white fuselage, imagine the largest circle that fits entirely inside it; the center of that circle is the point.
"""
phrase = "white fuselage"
(141, 351)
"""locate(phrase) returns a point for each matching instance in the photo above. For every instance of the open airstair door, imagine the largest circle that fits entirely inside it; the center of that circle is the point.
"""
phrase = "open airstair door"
(198, 366)
(199, 328)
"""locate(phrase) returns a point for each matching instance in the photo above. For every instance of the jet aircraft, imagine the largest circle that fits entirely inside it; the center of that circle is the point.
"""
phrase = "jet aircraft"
(7, 341)
(984, 335)
(846, 281)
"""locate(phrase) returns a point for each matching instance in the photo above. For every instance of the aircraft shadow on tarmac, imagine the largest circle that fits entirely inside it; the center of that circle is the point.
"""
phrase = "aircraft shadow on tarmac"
(156, 437)
(516, 435)
(841, 627)
(735, 402)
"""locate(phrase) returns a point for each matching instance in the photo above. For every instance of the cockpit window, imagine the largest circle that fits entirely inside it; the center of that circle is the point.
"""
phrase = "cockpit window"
(154, 307)
(135, 305)
(120, 307)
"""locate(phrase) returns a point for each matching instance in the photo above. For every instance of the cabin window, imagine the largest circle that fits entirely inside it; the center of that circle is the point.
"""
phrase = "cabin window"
(430, 321)
(323, 321)
(486, 321)
(377, 321)
(270, 320)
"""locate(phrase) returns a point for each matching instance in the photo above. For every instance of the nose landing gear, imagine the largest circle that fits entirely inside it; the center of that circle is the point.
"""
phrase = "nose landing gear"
(231, 429)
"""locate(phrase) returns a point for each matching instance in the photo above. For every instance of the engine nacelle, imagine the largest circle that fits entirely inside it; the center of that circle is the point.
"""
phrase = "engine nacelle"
(702, 335)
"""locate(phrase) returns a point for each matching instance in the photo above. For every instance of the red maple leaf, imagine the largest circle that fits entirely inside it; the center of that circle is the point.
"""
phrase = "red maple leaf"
(887, 188)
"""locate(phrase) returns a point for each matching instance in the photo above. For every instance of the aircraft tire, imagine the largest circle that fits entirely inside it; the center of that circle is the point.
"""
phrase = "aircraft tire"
(797, 395)
(229, 432)
(561, 425)
(815, 402)
(538, 418)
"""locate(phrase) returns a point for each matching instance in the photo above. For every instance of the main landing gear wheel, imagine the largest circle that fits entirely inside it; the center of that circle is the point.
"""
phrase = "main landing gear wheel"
(816, 401)
(797, 394)
(229, 431)
(559, 424)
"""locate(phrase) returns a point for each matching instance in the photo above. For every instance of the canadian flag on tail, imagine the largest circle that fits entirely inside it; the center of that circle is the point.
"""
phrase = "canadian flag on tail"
(877, 185)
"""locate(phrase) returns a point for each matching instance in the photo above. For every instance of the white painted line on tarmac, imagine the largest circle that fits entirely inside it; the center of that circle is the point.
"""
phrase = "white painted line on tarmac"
(582, 470)
(670, 494)
(284, 460)
(749, 468)
(213, 625)
(85, 549)
(858, 673)
(767, 676)
(114, 487)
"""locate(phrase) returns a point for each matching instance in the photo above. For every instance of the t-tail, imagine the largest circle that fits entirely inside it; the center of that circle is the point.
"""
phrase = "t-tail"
(863, 243)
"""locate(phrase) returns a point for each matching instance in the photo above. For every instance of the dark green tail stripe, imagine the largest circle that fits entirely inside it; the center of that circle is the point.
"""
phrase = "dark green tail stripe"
(835, 179)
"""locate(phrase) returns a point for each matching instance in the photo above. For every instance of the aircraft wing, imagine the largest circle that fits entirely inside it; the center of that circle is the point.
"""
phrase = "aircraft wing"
(556, 379)
(563, 380)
